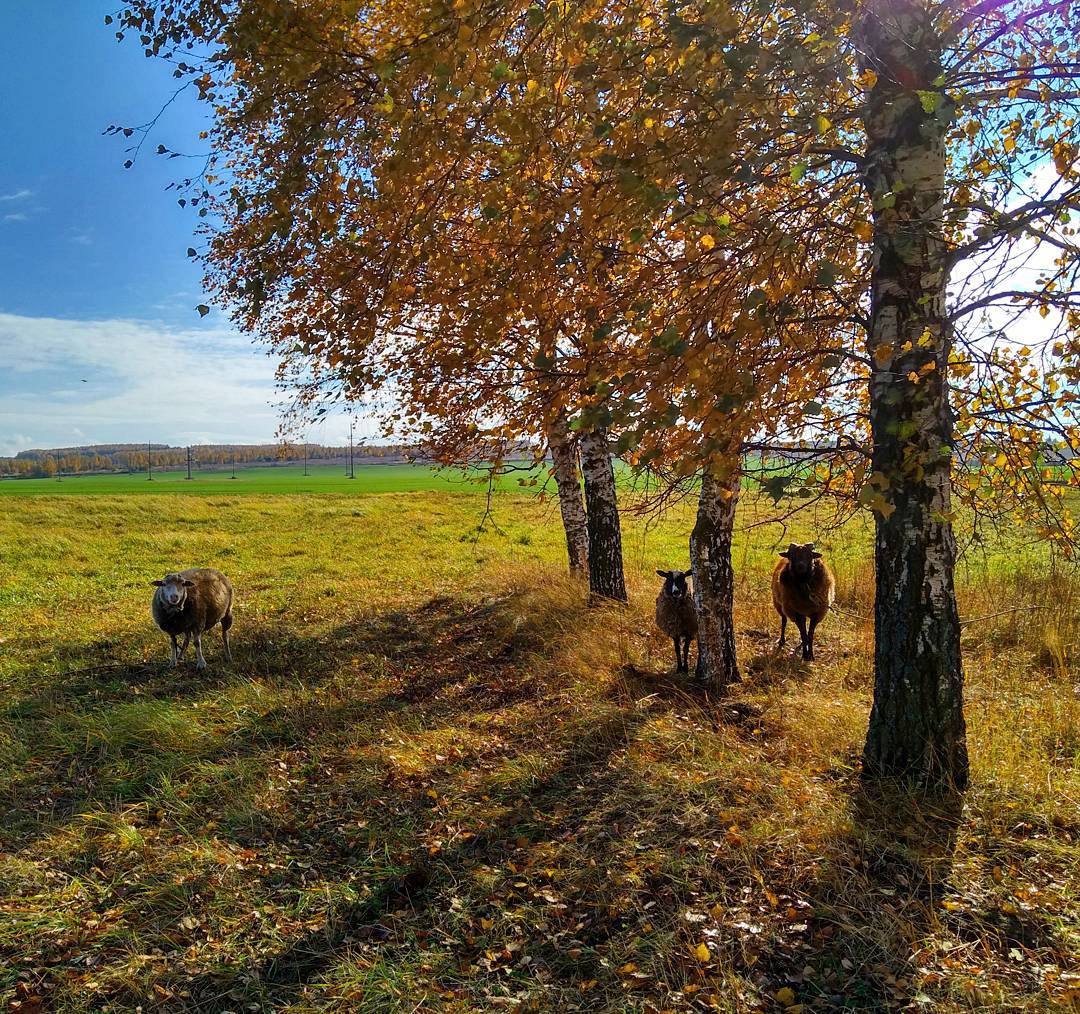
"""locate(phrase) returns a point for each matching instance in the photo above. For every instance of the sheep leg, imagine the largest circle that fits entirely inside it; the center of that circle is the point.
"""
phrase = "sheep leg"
(173, 655)
(800, 622)
(678, 655)
(226, 623)
(783, 631)
(809, 656)
(200, 662)
(184, 646)
(686, 654)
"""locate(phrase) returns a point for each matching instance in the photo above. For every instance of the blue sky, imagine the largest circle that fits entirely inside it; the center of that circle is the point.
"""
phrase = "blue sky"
(99, 337)
(98, 328)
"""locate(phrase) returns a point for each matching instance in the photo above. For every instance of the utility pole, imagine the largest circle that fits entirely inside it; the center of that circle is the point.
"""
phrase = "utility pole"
(56, 457)
(233, 476)
(352, 467)
(305, 457)
(189, 462)
(149, 464)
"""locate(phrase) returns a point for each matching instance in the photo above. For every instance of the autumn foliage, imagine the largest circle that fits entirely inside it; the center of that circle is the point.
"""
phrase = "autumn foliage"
(691, 234)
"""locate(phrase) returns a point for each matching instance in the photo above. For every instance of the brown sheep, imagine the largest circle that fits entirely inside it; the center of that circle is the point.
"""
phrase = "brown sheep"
(676, 615)
(191, 602)
(803, 589)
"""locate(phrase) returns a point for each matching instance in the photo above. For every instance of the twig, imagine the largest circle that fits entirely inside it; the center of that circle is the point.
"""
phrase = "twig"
(1002, 612)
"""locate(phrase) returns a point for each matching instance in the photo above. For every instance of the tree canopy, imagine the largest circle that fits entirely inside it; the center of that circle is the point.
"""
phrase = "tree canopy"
(687, 228)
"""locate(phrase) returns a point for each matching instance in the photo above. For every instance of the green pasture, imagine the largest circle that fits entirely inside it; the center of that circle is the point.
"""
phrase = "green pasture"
(396, 478)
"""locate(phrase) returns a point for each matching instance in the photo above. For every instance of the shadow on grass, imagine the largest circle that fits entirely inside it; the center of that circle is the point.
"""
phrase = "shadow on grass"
(657, 691)
(565, 832)
(876, 893)
(108, 732)
(886, 896)
(419, 889)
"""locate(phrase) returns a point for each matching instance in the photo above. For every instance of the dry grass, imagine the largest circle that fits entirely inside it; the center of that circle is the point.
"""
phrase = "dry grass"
(434, 781)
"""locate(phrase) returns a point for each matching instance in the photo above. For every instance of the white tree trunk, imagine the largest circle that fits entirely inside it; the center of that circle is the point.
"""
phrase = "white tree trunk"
(917, 726)
(564, 466)
(714, 577)
(606, 579)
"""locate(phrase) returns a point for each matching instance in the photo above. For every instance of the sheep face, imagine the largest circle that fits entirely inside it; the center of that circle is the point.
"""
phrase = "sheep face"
(801, 559)
(174, 590)
(675, 583)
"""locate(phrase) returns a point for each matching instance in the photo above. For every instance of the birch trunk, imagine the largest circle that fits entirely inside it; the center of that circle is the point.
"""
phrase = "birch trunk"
(564, 463)
(714, 578)
(602, 512)
(916, 730)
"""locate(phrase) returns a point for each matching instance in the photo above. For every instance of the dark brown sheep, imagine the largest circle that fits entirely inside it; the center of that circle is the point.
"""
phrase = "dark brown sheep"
(676, 615)
(191, 602)
(803, 589)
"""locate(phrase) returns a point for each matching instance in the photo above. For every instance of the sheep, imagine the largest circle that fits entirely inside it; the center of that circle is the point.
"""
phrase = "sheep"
(191, 602)
(803, 589)
(676, 615)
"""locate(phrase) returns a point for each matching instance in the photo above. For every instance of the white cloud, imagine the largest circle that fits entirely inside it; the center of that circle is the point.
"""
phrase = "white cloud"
(77, 381)
(19, 216)
(10, 446)
(17, 195)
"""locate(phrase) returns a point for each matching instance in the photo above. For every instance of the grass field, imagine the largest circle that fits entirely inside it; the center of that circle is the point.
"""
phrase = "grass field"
(433, 780)
(396, 478)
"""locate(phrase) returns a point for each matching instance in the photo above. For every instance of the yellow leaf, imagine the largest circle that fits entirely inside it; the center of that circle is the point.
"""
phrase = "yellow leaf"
(786, 996)
(701, 952)
(532, 85)
(707, 241)
(883, 353)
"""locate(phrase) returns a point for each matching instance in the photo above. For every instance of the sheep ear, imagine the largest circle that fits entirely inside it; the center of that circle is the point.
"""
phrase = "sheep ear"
(158, 584)
(815, 556)
(664, 574)
(189, 584)
(786, 554)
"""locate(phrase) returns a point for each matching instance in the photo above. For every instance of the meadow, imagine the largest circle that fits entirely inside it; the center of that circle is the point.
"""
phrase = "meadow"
(432, 779)
(391, 478)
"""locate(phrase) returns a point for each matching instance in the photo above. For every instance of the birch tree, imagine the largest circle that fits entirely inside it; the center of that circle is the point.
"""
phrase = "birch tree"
(856, 155)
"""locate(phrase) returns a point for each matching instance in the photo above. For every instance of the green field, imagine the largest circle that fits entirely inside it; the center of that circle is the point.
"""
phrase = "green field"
(397, 478)
(435, 780)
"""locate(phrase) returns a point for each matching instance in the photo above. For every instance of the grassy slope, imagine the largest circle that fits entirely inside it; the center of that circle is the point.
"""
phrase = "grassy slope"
(432, 779)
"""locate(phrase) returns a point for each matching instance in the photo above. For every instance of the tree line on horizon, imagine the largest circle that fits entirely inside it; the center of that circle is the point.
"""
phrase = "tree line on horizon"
(686, 234)
(103, 459)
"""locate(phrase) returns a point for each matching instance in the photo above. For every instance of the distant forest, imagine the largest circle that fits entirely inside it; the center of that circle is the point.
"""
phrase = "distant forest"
(104, 458)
